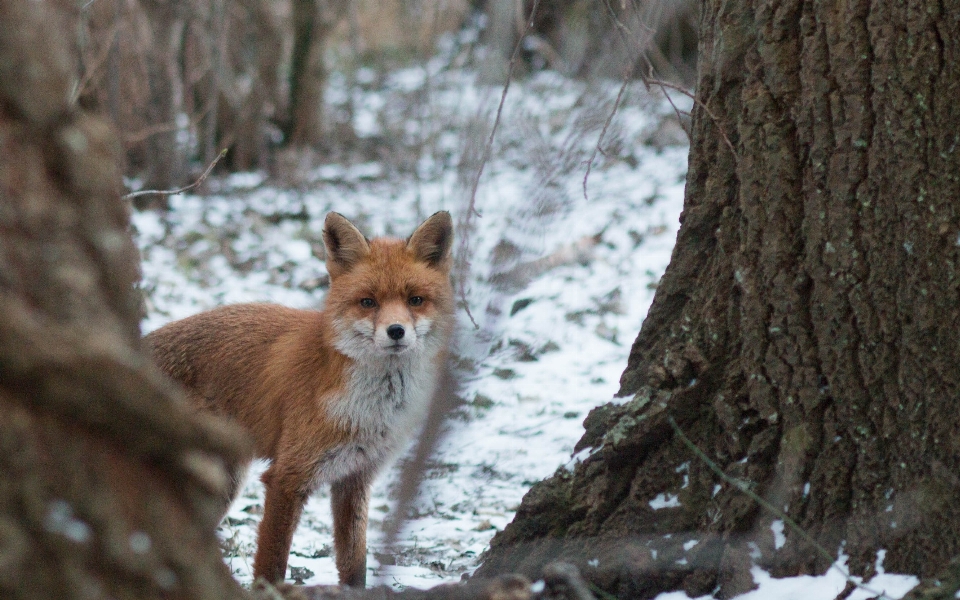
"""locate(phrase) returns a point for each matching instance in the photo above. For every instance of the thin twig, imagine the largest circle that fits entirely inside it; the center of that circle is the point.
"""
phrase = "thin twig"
(649, 80)
(716, 121)
(603, 132)
(680, 113)
(98, 61)
(745, 488)
(472, 205)
(198, 182)
(135, 137)
(625, 36)
(496, 122)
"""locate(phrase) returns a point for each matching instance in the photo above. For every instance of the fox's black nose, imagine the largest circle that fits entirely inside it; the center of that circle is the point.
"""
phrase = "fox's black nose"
(395, 332)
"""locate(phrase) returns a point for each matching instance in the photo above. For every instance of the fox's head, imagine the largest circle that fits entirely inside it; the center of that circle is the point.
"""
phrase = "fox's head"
(389, 297)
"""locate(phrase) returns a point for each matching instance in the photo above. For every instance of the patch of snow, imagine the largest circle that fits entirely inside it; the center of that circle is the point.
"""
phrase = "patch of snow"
(819, 587)
(685, 469)
(239, 181)
(665, 500)
(578, 458)
(878, 565)
(60, 519)
(778, 538)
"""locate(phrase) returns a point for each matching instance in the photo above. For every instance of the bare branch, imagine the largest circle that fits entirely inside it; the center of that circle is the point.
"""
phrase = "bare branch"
(94, 66)
(603, 132)
(472, 205)
(648, 81)
(198, 182)
(471, 210)
(625, 35)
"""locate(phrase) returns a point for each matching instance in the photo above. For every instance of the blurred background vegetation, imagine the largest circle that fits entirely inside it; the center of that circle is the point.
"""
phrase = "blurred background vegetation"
(183, 80)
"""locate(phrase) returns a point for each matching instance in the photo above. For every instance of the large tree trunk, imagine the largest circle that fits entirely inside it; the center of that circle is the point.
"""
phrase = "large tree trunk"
(805, 335)
(108, 482)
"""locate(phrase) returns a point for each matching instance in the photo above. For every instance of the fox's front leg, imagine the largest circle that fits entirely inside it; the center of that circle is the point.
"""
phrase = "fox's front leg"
(286, 495)
(350, 499)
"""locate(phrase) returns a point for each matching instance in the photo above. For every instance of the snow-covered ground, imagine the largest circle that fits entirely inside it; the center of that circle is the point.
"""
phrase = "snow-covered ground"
(559, 283)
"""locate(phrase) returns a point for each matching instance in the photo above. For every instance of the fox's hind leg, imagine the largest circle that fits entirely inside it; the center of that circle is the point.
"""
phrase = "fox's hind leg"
(350, 499)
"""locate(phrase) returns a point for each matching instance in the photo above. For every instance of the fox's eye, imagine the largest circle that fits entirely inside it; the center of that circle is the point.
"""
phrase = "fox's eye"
(415, 300)
(368, 302)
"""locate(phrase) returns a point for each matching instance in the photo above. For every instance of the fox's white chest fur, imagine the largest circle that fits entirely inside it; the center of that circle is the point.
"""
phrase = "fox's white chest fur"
(384, 403)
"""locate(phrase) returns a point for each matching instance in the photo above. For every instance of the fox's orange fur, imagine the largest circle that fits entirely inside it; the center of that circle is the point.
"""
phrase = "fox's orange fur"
(327, 396)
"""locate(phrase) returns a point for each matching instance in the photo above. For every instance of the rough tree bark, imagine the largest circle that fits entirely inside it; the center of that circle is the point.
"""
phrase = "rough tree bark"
(805, 335)
(108, 482)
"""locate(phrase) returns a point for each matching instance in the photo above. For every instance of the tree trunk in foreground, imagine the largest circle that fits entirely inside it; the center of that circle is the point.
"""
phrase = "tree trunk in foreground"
(805, 335)
(107, 481)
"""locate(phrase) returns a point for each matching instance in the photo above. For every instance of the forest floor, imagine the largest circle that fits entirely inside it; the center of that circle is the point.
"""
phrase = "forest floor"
(562, 269)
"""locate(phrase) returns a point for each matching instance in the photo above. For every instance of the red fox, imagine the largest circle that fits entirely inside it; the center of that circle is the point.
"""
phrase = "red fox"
(328, 396)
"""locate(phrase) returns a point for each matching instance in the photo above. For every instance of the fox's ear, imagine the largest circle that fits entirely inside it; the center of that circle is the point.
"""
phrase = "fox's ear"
(432, 241)
(345, 245)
